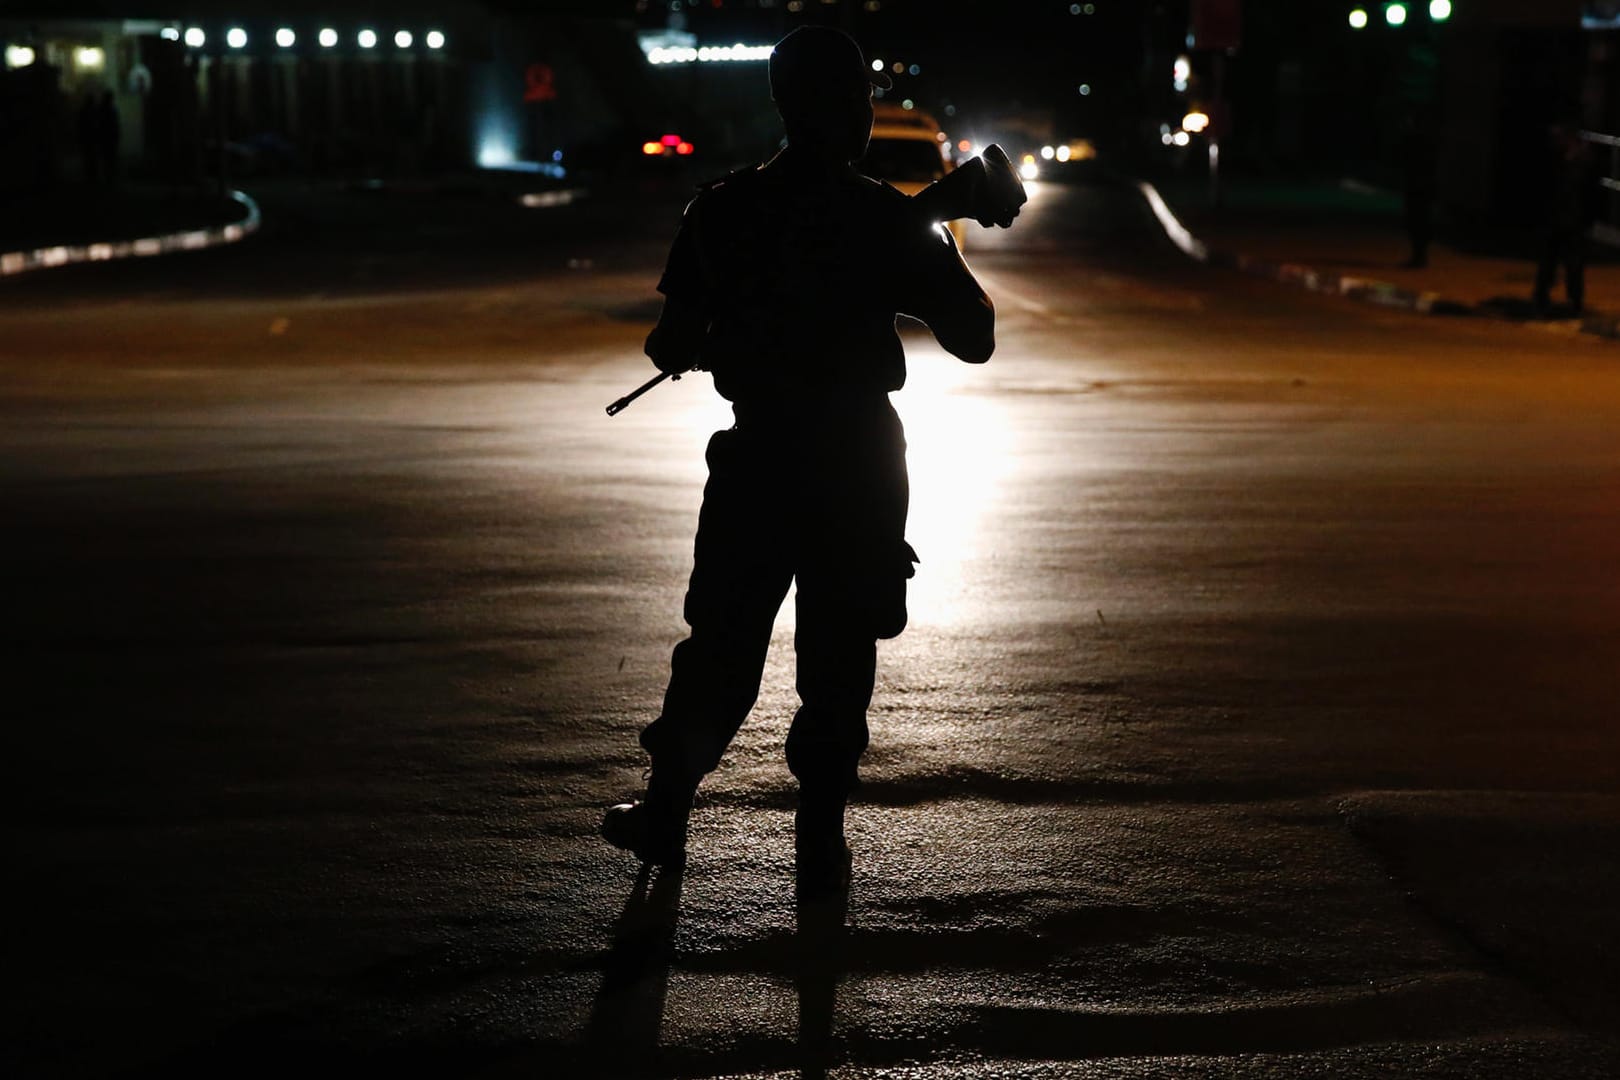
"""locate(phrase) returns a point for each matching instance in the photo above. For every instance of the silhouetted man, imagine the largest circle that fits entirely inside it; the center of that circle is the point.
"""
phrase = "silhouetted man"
(784, 282)
(107, 133)
(1572, 193)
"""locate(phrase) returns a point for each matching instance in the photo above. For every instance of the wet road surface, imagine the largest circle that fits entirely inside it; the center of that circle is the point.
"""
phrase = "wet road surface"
(1256, 716)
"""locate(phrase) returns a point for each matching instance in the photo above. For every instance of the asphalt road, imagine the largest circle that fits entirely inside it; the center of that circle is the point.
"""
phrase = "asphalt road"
(1257, 715)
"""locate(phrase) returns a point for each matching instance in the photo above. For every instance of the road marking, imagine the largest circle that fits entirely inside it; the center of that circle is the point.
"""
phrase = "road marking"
(1173, 228)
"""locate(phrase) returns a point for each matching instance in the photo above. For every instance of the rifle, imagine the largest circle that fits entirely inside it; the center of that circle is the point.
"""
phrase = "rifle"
(985, 188)
(620, 405)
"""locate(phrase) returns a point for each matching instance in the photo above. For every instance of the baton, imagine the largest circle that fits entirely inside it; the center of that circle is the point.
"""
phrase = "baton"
(620, 405)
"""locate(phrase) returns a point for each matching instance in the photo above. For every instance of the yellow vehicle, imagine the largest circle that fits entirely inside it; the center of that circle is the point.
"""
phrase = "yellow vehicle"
(909, 151)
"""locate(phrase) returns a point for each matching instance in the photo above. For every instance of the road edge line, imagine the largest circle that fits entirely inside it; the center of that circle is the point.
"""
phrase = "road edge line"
(49, 258)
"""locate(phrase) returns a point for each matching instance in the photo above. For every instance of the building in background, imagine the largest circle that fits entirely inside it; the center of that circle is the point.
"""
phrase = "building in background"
(214, 90)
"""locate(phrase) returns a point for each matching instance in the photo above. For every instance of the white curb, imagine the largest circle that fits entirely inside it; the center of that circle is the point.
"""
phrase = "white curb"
(20, 262)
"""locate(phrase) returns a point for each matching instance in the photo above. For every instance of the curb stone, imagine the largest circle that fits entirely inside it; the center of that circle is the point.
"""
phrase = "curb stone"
(1367, 290)
(45, 258)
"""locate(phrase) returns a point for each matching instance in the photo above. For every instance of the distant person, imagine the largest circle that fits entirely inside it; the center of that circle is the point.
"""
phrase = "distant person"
(90, 139)
(1420, 166)
(784, 282)
(107, 134)
(1572, 191)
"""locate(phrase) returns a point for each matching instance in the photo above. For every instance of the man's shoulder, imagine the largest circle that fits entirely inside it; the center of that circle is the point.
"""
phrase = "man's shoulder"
(880, 194)
(737, 184)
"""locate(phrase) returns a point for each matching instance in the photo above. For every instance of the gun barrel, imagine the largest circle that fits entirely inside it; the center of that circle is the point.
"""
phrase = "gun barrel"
(624, 402)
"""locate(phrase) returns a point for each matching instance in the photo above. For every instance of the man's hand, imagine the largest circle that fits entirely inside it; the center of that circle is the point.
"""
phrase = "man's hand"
(675, 342)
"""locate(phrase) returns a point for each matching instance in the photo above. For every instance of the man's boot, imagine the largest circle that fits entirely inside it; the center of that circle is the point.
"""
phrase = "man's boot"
(654, 828)
(822, 855)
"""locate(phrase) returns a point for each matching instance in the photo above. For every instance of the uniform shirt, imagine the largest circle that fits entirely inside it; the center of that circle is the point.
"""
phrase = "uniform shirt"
(798, 277)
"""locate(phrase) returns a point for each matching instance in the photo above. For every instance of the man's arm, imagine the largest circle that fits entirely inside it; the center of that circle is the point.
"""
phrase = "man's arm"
(674, 343)
(942, 292)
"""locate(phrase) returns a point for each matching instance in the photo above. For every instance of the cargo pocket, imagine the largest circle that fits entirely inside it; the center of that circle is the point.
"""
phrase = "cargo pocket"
(889, 591)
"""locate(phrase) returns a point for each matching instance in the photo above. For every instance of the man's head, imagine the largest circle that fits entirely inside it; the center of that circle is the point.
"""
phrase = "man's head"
(823, 89)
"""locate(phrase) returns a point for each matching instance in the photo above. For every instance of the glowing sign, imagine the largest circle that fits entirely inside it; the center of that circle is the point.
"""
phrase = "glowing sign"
(709, 54)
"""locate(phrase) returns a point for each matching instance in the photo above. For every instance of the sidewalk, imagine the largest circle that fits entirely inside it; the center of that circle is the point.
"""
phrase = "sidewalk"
(80, 214)
(76, 222)
(1349, 240)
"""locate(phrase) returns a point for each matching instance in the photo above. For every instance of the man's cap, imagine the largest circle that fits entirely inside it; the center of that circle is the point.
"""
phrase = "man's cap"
(818, 61)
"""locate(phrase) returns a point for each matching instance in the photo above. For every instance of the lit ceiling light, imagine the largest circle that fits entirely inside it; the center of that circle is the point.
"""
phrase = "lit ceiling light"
(435, 39)
(367, 39)
(1358, 19)
(196, 37)
(286, 38)
(403, 39)
(328, 38)
(236, 37)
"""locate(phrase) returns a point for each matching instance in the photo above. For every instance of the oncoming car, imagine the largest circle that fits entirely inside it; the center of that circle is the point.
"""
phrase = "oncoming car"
(908, 150)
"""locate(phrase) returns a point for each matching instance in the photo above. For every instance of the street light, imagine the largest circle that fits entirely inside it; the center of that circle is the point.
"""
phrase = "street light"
(328, 38)
(1358, 19)
(1395, 14)
(1439, 10)
(367, 39)
(286, 38)
(196, 37)
(435, 39)
(236, 37)
(403, 39)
